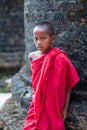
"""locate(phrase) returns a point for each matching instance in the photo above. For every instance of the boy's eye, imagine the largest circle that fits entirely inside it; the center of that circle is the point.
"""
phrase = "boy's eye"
(35, 38)
(43, 38)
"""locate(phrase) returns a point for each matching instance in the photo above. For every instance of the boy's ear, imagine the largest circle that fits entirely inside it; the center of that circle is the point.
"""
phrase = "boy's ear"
(53, 38)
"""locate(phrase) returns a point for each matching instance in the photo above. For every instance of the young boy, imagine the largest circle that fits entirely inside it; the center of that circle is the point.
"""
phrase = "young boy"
(53, 77)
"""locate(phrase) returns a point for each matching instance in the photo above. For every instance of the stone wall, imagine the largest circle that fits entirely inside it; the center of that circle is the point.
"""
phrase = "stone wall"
(12, 44)
(70, 21)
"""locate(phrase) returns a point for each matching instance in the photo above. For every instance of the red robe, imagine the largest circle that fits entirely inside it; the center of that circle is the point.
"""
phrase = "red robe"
(52, 76)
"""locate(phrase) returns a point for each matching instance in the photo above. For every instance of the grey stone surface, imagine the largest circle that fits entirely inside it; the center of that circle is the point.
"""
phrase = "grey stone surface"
(77, 116)
(21, 89)
(11, 116)
(12, 45)
(70, 21)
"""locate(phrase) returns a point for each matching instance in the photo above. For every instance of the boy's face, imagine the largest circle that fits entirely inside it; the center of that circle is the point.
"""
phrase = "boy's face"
(42, 39)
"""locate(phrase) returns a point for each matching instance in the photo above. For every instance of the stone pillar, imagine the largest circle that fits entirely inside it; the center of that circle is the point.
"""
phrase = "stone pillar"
(12, 45)
(70, 22)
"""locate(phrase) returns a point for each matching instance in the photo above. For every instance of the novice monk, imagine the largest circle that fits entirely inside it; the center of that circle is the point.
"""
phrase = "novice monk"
(53, 77)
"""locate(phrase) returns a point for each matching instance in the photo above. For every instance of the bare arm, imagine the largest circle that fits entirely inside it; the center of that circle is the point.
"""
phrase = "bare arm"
(33, 55)
(30, 57)
(65, 111)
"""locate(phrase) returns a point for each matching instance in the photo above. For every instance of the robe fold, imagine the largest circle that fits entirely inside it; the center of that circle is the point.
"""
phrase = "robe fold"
(52, 76)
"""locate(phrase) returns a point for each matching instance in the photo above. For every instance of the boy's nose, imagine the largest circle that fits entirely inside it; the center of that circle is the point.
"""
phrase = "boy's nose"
(39, 42)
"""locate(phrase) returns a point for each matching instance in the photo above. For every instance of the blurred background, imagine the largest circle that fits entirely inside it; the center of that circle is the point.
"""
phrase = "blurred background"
(12, 45)
(70, 21)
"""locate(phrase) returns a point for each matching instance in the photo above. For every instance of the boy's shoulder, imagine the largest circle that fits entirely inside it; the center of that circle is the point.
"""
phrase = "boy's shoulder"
(33, 55)
(63, 58)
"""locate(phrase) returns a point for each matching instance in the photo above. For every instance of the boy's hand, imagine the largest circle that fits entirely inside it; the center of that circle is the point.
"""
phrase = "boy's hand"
(65, 111)
(64, 114)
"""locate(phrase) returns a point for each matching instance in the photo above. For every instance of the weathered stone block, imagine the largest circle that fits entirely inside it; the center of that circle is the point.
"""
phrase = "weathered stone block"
(70, 22)
(12, 45)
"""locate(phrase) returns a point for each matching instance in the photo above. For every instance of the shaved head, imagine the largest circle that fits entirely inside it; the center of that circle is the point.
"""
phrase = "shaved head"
(47, 26)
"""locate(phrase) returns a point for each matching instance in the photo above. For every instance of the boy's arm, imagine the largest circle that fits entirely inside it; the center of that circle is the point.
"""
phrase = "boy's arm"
(65, 111)
(30, 57)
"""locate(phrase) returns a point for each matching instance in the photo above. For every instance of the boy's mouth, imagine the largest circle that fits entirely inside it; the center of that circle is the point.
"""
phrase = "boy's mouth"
(39, 47)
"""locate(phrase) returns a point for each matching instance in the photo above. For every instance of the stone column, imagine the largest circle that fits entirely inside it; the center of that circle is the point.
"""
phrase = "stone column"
(70, 22)
(11, 35)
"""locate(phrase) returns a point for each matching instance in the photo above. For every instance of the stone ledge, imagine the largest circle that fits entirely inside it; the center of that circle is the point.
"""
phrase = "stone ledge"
(11, 116)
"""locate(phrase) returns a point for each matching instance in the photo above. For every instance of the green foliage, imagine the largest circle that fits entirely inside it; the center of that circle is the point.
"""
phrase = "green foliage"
(4, 90)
